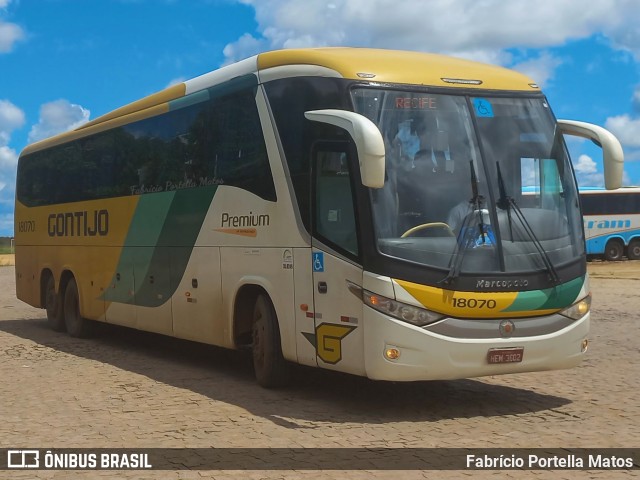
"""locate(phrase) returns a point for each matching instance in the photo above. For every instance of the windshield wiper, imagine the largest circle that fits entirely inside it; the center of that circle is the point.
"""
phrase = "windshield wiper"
(505, 202)
(476, 201)
(464, 239)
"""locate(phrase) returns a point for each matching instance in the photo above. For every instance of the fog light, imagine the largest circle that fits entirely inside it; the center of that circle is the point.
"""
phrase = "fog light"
(391, 353)
(585, 345)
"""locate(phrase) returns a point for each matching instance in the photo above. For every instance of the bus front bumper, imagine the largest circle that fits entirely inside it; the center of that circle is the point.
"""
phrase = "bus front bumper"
(424, 355)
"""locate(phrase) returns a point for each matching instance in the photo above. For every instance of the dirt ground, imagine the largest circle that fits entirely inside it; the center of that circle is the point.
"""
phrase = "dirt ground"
(6, 260)
(129, 389)
(611, 270)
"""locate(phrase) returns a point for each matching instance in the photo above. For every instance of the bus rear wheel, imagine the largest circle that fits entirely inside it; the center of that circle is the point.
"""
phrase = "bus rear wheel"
(77, 326)
(53, 306)
(271, 369)
(614, 250)
(633, 252)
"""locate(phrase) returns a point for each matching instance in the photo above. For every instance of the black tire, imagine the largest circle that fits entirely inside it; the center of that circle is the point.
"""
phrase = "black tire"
(76, 325)
(633, 252)
(614, 250)
(271, 369)
(53, 306)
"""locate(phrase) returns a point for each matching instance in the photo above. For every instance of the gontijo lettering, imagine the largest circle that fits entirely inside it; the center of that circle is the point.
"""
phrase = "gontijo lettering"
(78, 224)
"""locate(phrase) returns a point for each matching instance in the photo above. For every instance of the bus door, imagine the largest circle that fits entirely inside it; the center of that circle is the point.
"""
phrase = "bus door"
(338, 335)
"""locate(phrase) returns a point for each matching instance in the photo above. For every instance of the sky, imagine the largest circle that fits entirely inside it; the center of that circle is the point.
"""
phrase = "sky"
(64, 62)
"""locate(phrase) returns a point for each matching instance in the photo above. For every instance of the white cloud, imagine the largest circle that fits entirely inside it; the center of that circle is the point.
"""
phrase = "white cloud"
(57, 117)
(480, 30)
(587, 172)
(6, 223)
(540, 69)
(635, 99)
(11, 118)
(10, 33)
(175, 81)
(8, 166)
(626, 128)
(246, 46)
(585, 165)
(8, 159)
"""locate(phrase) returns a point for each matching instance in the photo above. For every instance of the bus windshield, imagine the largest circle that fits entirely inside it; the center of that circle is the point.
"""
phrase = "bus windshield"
(473, 184)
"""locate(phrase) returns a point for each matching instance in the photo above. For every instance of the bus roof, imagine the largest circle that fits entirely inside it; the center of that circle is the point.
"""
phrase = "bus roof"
(396, 66)
(364, 64)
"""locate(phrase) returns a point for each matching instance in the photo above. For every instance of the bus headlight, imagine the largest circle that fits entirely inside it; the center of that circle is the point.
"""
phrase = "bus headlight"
(407, 313)
(578, 309)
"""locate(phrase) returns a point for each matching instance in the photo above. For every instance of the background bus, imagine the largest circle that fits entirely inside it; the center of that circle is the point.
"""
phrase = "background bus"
(357, 210)
(612, 222)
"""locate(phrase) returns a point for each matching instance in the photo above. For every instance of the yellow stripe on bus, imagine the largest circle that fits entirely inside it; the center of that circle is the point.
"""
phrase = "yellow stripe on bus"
(466, 304)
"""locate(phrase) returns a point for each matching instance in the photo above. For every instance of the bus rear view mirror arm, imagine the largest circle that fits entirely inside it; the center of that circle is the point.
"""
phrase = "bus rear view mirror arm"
(366, 136)
(611, 148)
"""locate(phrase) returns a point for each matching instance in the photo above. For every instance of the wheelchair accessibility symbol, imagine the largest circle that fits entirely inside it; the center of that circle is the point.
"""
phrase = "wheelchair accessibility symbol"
(318, 262)
(483, 107)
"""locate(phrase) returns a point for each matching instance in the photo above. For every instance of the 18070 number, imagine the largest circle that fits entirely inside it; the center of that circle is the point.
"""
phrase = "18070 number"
(474, 303)
(27, 226)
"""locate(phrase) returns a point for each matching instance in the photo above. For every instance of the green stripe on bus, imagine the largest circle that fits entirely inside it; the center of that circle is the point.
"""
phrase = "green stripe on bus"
(557, 297)
(175, 244)
(145, 228)
(161, 237)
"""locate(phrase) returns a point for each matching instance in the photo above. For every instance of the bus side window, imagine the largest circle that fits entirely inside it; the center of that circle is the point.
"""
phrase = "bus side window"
(334, 211)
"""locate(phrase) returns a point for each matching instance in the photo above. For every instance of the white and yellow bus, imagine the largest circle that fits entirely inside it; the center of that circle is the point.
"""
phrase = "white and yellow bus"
(352, 209)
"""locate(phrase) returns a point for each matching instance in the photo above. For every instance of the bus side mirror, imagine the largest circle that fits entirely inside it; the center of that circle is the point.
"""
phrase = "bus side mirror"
(611, 148)
(367, 138)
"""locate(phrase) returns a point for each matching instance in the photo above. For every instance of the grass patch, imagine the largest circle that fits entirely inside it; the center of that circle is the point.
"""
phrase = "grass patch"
(6, 250)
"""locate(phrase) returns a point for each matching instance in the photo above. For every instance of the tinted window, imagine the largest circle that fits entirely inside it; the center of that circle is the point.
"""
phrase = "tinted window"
(214, 141)
(610, 204)
(289, 98)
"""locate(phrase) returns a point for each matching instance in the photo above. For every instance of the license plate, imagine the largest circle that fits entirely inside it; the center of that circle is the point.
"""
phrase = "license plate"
(505, 355)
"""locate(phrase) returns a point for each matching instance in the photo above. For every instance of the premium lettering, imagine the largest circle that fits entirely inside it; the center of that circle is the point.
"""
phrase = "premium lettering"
(239, 221)
(79, 224)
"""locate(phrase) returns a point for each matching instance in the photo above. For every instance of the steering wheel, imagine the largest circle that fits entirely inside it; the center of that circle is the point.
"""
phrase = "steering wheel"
(425, 226)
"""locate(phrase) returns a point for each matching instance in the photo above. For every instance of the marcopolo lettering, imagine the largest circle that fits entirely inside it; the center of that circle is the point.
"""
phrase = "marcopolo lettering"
(250, 220)
(79, 224)
(514, 283)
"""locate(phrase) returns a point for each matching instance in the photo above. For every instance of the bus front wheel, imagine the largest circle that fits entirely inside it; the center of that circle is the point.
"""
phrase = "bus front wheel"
(614, 250)
(77, 326)
(270, 367)
(53, 306)
(634, 249)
